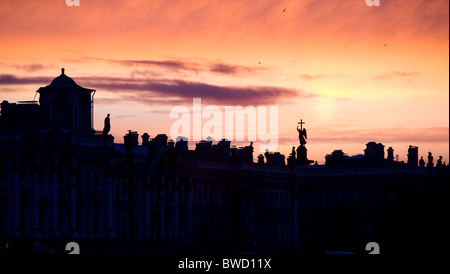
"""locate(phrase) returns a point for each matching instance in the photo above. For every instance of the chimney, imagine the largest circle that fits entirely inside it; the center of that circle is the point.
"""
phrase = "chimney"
(171, 144)
(133, 137)
(413, 155)
(145, 139)
(390, 156)
(261, 159)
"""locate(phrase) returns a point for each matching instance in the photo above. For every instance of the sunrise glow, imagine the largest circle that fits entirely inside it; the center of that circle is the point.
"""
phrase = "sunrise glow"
(354, 73)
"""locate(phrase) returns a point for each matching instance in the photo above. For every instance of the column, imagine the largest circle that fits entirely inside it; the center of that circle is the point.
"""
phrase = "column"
(53, 184)
(64, 181)
(45, 193)
(72, 207)
(175, 208)
(154, 195)
(35, 200)
(146, 205)
(295, 213)
(15, 199)
(83, 211)
(162, 223)
(108, 207)
(102, 210)
(188, 209)
(72, 220)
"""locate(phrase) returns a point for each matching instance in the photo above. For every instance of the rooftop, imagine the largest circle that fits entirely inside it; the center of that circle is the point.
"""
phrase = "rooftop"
(64, 82)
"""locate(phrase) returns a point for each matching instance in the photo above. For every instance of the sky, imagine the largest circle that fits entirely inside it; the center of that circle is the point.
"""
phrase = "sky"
(353, 73)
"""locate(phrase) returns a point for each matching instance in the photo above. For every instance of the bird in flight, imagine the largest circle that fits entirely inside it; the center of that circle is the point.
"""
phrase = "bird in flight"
(385, 45)
(259, 63)
(284, 10)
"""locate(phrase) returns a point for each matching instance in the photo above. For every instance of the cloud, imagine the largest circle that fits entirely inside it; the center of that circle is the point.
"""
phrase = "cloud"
(395, 74)
(234, 70)
(108, 101)
(309, 77)
(157, 111)
(9, 79)
(384, 135)
(30, 67)
(170, 64)
(188, 90)
(343, 99)
(177, 65)
(165, 64)
(124, 116)
(421, 18)
(223, 68)
(216, 19)
(151, 91)
(33, 67)
(152, 100)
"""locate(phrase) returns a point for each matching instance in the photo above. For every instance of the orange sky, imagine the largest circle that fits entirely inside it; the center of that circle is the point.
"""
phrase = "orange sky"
(323, 61)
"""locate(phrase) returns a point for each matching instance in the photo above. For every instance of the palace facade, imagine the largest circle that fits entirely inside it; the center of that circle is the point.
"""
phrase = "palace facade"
(62, 181)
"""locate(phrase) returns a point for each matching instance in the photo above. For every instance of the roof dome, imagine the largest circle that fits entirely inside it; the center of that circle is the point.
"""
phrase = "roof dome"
(63, 81)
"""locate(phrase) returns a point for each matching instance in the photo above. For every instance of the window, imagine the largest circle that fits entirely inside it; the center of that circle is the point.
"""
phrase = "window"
(87, 176)
(41, 176)
(287, 199)
(123, 188)
(22, 175)
(77, 179)
(95, 220)
(2, 218)
(94, 178)
(60, 178)
(79, 213)
(75, 118)
(2, 174)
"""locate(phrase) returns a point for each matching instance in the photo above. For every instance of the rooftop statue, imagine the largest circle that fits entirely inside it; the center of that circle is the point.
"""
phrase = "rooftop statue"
(302, 133)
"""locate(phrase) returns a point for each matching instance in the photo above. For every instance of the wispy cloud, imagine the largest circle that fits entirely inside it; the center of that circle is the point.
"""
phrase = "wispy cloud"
(212, 93)
(385, 135)
(309, 77)
(343, 99)
(124, 116)
(9, 79)
(133, 89)
(235, 70)
(151, 100)
(396, 74)
(32, 67)
(169, 64)
(179, 65)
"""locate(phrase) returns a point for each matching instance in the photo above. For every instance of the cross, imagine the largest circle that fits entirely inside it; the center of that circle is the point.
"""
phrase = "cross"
(301, 124)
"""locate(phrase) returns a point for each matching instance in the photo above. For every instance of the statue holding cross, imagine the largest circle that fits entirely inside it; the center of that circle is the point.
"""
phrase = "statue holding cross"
(302, 158)
(301, 133)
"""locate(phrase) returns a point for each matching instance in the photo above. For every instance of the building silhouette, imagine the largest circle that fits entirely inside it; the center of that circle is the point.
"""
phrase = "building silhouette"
(62, 181)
